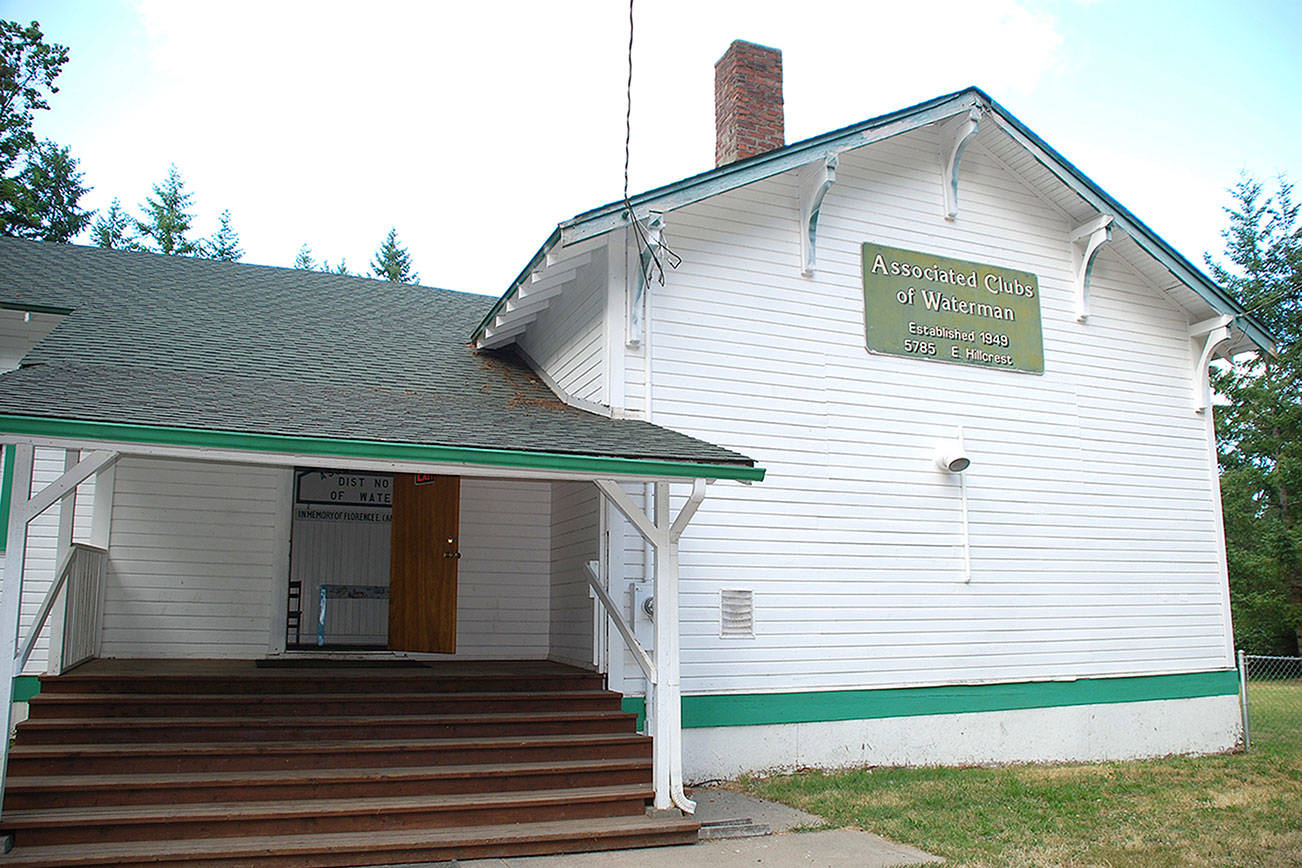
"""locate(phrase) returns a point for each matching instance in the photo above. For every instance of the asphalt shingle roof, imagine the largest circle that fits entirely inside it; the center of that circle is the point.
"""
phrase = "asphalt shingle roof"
(170, 341)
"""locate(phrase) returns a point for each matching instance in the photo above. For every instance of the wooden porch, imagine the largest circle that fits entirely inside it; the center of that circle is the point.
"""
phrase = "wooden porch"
(317, 762)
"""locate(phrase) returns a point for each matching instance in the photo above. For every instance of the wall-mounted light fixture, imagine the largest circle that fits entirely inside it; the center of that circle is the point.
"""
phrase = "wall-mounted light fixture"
(952, 457)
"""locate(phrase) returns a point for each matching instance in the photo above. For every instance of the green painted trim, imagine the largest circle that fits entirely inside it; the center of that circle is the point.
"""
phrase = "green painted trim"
(26, 686)
(379, 450)
(754, 709)
(635, 705)
(6, 495)
(35, 308)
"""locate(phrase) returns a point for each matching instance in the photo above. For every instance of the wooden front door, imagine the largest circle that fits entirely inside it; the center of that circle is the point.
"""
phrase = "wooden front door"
(423, 563)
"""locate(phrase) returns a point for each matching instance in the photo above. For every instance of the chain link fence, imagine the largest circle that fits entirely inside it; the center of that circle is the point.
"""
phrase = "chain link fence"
(1270, 689)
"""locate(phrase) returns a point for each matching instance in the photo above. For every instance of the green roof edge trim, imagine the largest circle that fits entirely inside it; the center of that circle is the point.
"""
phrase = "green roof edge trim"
(759, 709)
(379, 450)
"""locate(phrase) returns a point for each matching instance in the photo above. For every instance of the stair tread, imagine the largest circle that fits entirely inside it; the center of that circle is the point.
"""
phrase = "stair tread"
(280, 808)
(20, 750)
(159, 698)
(319, 720)
(77, 783)
(333, 842)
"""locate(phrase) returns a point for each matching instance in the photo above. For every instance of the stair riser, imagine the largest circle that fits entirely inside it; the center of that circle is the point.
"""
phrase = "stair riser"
(21, 800)
(115, 707)
(171, 830)
(363, 856)
(308, 684)
(107, 732)
(272, 760)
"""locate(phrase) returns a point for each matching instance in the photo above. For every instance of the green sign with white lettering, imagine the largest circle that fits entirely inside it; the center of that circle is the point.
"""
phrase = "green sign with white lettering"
(949, 310)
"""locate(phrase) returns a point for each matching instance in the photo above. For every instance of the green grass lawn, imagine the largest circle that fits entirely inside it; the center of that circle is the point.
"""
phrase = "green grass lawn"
(1240, 809)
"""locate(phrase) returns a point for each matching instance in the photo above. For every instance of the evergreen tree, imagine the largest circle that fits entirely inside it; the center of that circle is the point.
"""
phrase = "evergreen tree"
(167, 217)
(392, 262)
(40, 186)
(1259, 431)
(114, 229)
(45, 201)
(341, 267)
(225, 244)
(304, 260)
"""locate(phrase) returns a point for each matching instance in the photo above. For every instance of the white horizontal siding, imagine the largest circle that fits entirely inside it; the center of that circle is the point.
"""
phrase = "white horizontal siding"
(1092, 520)
(573, 545)
(567, 341)
(504, 573)
(194, 559)
(195, 564)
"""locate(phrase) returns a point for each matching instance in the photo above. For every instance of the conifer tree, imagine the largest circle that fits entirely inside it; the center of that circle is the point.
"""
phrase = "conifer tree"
(167, 217)
(305, 261)
(1259, 430)
(40, 184)
(225, 243)
(45, 201)
(114, 229)
(393, 262)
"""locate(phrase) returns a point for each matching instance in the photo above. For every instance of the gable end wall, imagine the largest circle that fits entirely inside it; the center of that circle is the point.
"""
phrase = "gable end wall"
(1095, 540)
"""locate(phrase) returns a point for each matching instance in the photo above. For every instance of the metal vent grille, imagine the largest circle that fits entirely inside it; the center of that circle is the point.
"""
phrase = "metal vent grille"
(736, 614)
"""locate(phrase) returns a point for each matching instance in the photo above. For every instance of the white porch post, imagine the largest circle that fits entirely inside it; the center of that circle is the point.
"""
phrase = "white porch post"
(12, 590)
(667, 745)
(664, 710)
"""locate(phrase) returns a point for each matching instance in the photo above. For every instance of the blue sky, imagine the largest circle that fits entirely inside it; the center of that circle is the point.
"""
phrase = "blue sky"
(475, 128)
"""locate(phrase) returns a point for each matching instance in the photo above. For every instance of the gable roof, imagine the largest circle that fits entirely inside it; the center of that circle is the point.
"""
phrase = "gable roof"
(614, 215)
(167, 347)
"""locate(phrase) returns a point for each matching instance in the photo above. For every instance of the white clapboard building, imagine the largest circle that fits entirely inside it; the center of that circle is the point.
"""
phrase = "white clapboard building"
(891, 446)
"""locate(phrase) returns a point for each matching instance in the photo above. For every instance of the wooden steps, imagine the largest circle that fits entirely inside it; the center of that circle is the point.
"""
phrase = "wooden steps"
(153, 730)
(193, 764)
(380, 848)
(98, 704)
(45, 793)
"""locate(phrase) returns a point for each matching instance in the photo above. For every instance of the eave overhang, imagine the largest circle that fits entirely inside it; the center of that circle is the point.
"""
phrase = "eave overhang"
(280, 448)
(616, 215)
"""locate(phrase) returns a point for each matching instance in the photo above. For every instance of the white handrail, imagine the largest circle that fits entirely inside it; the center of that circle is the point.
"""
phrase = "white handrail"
(639, 653)
(66, 563)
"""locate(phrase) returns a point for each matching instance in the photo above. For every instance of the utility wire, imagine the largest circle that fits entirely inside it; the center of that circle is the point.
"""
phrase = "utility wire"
(657, 269)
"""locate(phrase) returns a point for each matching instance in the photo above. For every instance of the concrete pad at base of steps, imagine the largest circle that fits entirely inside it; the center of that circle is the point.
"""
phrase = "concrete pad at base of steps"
(833, 848)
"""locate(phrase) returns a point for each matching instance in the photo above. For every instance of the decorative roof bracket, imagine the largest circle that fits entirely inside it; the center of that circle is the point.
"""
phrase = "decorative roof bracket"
(1217, 330)
(955, 133)
(647, 253)
(815, 180)
(1086, 239)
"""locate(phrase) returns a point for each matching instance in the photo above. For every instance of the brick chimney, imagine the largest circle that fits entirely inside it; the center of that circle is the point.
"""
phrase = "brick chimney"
(747, 102)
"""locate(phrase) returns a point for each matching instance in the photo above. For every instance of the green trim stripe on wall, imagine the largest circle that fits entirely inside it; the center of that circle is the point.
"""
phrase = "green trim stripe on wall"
(26, 686)
(754, 709)
(6, 493)
(117, 432)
